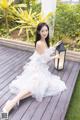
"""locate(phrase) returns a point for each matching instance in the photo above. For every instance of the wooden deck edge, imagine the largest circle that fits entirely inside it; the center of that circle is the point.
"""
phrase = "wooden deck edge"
(70, 55)
(16, 44)
(67, 106)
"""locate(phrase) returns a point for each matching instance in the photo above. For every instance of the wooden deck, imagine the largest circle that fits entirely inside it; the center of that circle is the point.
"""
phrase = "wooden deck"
(51, 108)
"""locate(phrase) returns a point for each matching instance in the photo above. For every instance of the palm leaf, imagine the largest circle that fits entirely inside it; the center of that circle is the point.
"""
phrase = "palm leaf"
(20, 31)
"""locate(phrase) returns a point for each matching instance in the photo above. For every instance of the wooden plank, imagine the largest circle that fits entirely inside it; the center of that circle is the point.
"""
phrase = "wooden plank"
(19, 114)
(51, 107)
(7, 67)
(5, 56)
(30, 109)
(12, 67)
(11, 74)
(9, 56)
(64, 95)
(19, 108)
(17, 45)
(3, 52)
(34, 106)
(20, 111)
(43, 106)
(7, 95)
(69, 96)
(18, 61)
(8, 52)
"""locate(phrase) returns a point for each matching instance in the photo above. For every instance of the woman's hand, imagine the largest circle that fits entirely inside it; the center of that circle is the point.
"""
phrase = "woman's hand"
(56, 56)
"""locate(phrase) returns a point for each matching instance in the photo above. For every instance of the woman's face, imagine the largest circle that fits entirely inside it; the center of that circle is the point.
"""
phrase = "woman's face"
(44, 32)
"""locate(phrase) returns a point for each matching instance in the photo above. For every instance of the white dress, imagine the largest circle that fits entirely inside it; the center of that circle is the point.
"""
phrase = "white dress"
(37, 79)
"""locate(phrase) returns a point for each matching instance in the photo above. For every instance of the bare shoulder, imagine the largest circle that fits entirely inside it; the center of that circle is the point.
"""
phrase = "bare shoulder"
(39, 47)
(38, 44)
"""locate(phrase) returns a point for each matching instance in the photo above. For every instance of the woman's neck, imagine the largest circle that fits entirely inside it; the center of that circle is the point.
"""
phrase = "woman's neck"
(42, 39)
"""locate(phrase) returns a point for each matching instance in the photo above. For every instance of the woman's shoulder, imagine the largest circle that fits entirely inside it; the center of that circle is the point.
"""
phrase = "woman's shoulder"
(39, 43)
(39, 47)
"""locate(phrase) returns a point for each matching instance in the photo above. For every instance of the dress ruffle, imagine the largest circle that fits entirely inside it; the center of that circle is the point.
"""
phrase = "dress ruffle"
(37, 79)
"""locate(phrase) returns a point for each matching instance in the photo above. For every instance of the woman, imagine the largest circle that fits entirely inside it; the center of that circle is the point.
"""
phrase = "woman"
(36, 80)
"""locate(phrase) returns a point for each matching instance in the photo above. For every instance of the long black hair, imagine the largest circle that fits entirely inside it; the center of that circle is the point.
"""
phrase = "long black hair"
(38, 36)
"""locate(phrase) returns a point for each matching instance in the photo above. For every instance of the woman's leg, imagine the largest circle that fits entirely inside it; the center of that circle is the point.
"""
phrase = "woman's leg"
(26, 95)
(11, 103)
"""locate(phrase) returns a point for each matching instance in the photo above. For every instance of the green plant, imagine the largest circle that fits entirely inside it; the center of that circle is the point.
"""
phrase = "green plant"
(67, 23)
(73, 112)
(4, 7)
(26, 21)
(29, 4)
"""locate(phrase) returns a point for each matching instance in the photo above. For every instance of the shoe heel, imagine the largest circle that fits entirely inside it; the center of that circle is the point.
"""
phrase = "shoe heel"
(4, 115)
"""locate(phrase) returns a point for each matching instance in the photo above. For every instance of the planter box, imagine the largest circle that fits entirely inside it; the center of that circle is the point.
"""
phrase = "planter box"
(70, 55)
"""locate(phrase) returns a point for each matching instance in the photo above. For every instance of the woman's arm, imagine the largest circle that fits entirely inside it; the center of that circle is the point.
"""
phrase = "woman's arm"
(52, 49)
(55, 56)
(39, 48)
(45, 55)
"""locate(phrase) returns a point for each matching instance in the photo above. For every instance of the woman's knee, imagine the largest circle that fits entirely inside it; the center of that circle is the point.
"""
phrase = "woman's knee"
(26, 92)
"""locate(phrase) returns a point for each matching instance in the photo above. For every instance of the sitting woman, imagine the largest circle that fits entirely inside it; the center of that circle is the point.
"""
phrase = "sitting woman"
(36, 80)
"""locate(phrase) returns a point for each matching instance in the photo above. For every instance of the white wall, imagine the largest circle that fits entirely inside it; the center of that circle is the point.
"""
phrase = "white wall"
(71, 1)
(48, 6)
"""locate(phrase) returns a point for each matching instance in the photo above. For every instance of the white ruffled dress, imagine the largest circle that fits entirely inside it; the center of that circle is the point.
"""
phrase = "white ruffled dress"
(37, 79)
